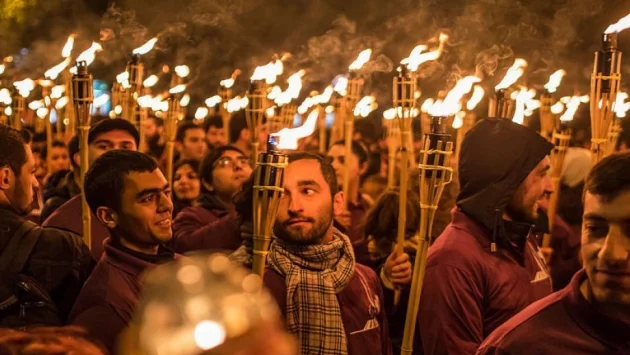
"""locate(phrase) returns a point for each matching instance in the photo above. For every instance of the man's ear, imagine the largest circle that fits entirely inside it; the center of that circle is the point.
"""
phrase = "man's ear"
(363, 168)
(77, 159)
(107, 216)
(6, 176)
(338, 202)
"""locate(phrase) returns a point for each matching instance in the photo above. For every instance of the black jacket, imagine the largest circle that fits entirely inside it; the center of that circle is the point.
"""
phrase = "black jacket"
(496, 156)
(57, 192)
(60, 261)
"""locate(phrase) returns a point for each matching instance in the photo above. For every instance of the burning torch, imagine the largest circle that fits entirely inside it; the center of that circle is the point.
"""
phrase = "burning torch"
(605, 82)
(393, 144)
(170, 130)
(225, 93)
(615, 128)
(547, 122)
(465, 120)
(82, 96)
(5, 105)
(435, 173)
(23, 89)
(501, 106)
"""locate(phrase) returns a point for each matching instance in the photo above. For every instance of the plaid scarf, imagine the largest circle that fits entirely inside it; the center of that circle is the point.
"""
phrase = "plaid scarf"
(314, 274)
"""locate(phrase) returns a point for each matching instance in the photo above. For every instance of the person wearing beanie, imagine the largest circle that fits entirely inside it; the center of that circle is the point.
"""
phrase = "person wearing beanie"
(109, 134)
(486, 267)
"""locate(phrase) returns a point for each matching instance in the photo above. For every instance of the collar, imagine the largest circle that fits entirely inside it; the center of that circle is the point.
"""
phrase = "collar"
(130, 261)
(612, 332)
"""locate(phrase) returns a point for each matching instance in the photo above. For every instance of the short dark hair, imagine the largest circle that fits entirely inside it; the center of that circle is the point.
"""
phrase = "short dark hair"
(105, 180)
(238, 123)
(184, 127)
(325, 167)
(73, 148)
(213, 121)
(55, 144)
(207, 163)
(609, 177)
(27, 135)
(12, 149)
(357, 149)
(116, 124)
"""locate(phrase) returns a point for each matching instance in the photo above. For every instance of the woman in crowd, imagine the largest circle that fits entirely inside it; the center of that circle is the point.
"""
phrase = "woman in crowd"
(186, 184)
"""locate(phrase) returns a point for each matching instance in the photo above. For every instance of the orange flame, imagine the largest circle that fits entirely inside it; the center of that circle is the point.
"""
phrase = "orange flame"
(185, 100)
(269, 72)
(525, 104)
(124, 76)
(24, 87)
(145, 48)
(572, 103)
(293, 90)
(201, 113)
(182, 71)
(145, 101)
(213, 101)
(316, 99)
(417, 57)
(41, 112)
(57, 91)
(365, 106)
(178, 89)
(452, 103)
(236, 104)
(476, 97)
(54, 72)
(621, 25)
(513, 74)
(458, 122)
(62, 102)
(89, 54)
(426, 106)
(621, 106)
(554, 80)
(289, 136)
(34, 105)
(341, 87)
(363, 58)
(150, 81)
(66, 52)
(228, 83)
(5, 96)
(389, 114)
(557, 108)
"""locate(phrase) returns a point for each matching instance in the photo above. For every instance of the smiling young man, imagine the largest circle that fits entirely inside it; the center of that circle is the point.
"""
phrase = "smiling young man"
(485, 267)
(109, 134)
(592, 314)
(130, 195)
(331, 303)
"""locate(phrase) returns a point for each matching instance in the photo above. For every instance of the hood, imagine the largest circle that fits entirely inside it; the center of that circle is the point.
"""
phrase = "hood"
(496, 156)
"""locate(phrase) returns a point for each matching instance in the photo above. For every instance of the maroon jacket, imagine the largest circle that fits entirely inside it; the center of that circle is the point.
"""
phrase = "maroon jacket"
(68, 217)
(563, 323)
(191, 232)
(109, 297)
(355, 311)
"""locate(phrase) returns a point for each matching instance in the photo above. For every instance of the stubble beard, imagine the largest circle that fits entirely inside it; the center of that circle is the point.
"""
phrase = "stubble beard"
(310, 236)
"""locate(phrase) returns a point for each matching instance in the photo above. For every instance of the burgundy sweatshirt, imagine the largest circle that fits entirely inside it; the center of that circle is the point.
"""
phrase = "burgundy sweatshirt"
(563, 323)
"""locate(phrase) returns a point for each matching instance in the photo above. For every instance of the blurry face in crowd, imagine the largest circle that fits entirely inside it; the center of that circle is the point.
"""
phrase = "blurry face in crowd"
(194, 145)
(116, 139)
(230, 172)
(18, 190)
(40, 166)
(337, 156)
(144, 221)
(523, 207)
(186, 184)
(150, 128)
(606, 247)
(216, 137)
(59, 159)
(305, 215)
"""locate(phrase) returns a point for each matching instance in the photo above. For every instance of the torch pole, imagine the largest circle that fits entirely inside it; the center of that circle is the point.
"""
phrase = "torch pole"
(135, 68)
(82, 97)
(172, 117)
(48, 125)
(355, 86)
(393, 143)
(435, 173)
(268, 182)
(255, 112)
(613, 136)
(321, 122)
(17, 108)
(69, 110)
(226, 96)
(547, 122)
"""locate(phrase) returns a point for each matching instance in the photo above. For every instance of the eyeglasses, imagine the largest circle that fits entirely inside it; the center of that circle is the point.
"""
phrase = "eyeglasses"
(227, 162)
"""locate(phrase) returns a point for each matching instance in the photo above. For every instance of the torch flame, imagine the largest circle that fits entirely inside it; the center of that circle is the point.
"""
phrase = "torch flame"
(293, 90)
(341, 87)
(213, 101)
(426, 106)
(54, 72)
(621, 25)
(236, 104)
(24, 87)
(227, 83)
(145, 101)
(5, 97)
(416, 58)
(620, 105)
(182, 71)
(89, 54)
(513, 74)
(525, 104)
(61, 103)
(452, 102)
(67, 48)
(145, 48)
(557, 108)
(269, 72)
(150, 81)
(101, 100)
(316, 99)
(476, 97)
(289, 136)
(178, 89)
(554, 81)
(270, 112)
(389, 114)
(41, 112)
(57, 91)
(2, 68)
(458, 122)
(124, 76)
(185, 100)
(363, 58)
(365, 106)
(34, 105)
(572, 103)
(201, 113)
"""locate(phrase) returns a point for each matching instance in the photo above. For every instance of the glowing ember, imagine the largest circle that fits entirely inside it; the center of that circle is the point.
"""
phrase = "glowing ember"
(572, 103)
(213, 101)
(289, 136)
(57, 91)
(317, 99)
(201, 113)
(341, 87)
(476, 97)
(269, 72)
(623, 24)
(365, 106)
(34, 105)
(293, 90)
(89, 54)
(67, 48)
(417, 57)
(185, 100)
(426, 106)
(452, 102)
(24, 87)
(182, 71)
(236, 104)
(178, 89)
(54, 72)
(61, 103)
(145, 48)
(101, 100)
(513, 74)
(363, 58)
(557, 108)
(554, 81)
(458, 121)
(150, 81)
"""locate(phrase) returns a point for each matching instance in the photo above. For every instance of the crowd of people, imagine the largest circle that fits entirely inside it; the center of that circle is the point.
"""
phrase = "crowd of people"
(337, 277)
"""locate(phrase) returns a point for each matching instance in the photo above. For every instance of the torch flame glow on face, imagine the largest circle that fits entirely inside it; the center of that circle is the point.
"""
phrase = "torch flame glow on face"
(54, 72)
(57, 91)
(150, 81)
(476, 97)
(213, 101)
(236, 104)
(554, 80)
(363, 58)
(24, 87)
(621, 25)
(417, 57)
(201, 113)
(365, 106)
(5, 96)
(289, 136)
(145, 48)
(513, 74)
(89, 54)
(572, 104)
(61, 103)
(182, 71)
(67, 48)
(269, 72)
(458, 122)
(178, 89)
(452, 102)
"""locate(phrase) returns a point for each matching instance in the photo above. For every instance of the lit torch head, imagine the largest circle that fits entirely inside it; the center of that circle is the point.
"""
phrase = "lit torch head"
(82, 93)
(417, 57)
(554, 81)
(361, 60)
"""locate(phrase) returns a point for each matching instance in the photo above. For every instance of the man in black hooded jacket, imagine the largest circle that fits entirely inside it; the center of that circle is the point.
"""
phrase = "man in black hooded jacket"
(485, 267)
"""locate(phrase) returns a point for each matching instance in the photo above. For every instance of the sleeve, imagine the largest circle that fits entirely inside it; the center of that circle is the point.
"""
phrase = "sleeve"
(103, 324)
(449, 318)
(385, 339)
(190, 234)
